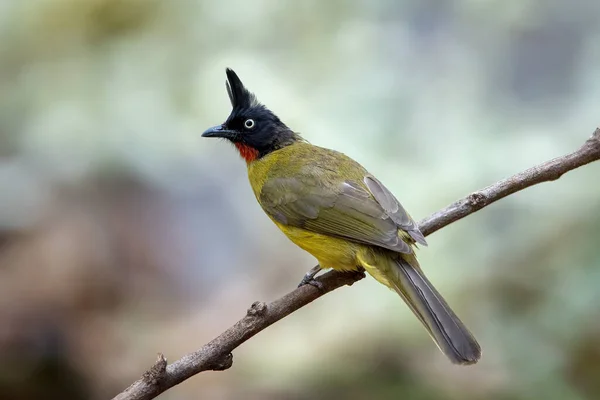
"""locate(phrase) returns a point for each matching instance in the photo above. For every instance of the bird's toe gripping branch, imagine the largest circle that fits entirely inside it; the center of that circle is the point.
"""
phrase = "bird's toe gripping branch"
(309, 278)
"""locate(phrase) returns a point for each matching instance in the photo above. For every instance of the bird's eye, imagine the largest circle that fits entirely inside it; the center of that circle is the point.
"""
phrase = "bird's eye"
(249, 123)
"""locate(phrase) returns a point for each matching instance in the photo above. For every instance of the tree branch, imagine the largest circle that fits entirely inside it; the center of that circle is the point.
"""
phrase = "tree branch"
(216, 355)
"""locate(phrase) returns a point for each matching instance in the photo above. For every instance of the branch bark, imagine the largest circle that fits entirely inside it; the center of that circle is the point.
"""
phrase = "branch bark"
(216, 355)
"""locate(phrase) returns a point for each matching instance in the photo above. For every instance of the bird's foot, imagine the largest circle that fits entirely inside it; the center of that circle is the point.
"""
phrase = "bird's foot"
(309, 278)
(313, 283)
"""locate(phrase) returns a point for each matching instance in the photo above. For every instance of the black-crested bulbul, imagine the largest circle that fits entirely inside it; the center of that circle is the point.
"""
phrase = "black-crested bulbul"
(333, 208)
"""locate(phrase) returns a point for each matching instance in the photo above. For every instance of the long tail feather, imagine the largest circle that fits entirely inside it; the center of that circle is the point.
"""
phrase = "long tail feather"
(445, 328)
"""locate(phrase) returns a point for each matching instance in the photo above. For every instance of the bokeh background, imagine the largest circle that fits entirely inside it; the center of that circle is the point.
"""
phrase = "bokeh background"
(122, 233)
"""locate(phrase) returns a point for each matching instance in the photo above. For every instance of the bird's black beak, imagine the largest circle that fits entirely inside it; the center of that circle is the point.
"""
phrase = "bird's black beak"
(219, 132)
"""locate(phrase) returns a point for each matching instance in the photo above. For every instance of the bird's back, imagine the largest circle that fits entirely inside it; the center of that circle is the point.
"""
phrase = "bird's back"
(315, 165)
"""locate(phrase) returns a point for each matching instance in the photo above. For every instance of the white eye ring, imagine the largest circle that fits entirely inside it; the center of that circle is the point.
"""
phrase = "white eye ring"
(249, 123)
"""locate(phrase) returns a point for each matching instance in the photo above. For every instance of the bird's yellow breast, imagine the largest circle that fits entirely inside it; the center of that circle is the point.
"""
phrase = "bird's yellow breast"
(331, 252)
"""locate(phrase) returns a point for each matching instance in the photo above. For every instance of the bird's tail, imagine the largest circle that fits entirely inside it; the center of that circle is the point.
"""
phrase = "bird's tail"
(444, 327)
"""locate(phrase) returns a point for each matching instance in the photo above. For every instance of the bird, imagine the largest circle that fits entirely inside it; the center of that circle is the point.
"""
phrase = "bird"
(332, 207)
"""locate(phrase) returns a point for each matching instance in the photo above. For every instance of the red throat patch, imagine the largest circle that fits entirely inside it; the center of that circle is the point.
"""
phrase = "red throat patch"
(248, 153)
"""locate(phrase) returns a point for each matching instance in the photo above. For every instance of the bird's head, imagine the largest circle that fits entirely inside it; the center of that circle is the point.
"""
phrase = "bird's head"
(251, 127)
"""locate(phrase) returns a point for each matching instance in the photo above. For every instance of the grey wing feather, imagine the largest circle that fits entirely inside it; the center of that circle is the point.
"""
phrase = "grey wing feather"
(347, 211)
(394, 209)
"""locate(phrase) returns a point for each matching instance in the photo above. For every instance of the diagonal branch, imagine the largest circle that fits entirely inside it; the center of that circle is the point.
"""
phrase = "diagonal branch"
(216, 355)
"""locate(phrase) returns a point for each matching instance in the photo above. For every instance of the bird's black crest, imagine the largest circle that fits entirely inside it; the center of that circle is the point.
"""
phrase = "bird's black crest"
(239, 96)
(266, 132)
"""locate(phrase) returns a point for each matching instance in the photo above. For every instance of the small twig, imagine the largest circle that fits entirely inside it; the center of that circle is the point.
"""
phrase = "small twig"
(216, 355)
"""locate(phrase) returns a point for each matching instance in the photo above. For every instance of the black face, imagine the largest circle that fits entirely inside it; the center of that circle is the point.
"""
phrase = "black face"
(250, 123)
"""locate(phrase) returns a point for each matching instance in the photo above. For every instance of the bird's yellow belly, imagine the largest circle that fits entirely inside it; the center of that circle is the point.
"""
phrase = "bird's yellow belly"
(331, 252)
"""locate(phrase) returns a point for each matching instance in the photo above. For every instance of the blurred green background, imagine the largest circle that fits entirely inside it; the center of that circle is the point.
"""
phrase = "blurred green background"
(123, 234)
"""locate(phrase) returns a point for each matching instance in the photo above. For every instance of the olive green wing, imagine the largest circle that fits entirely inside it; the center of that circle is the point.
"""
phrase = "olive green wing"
(364, 212)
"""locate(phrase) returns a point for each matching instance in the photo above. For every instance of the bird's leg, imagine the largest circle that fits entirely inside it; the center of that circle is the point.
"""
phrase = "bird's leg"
(309, 278)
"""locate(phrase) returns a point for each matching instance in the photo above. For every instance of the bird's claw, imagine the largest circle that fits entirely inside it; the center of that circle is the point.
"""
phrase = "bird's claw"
(309, 280)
